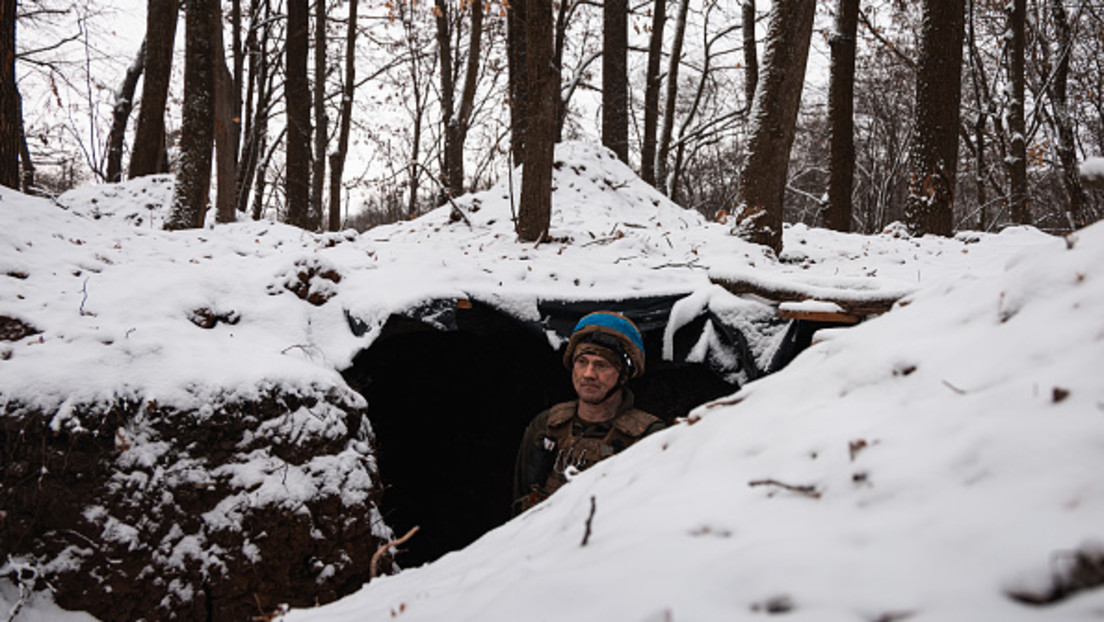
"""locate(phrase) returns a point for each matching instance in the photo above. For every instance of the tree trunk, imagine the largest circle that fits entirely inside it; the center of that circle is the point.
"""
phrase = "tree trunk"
(519, 81)
(933, 157)
(535, 213)
(25, 163)
(559, 43)
(1017, 164)
(255, 124)
(10, 123)
(444, 59)
(193, 181)
(773, 122)
(615, 78)
(321, 129)
(652, 81)
(664, 147)
(751, 56)
(841, 94)
(1067, 151)
(227, 123)
(120, 114)
(148, 155)
(337, 159)
(297, 95)
(467, 97)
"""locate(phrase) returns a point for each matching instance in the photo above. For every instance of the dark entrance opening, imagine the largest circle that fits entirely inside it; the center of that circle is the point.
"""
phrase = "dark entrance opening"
(450, 395)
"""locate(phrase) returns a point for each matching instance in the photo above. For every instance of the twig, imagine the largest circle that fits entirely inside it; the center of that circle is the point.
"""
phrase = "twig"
(84, 299)
(810, 491)
(954, 388)
(590, 517)
(374, 571)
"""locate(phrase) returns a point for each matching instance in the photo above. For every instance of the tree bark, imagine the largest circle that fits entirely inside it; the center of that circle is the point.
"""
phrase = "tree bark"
(652, 81)
(1067, 150)
(535, 213)
(256, 124)
(664, 147)
(841, 96)
(449, 123)
(321, 123)
(467, 95)
(337, 159)
(120, 114)
(193, 181)
(227, 123)
(10, 122)
(297, 96)
(751, 55)
(933, 158)
(1017, 163)
(773, 122)
(25, 163)
(615, 79)
(519, 81)
(148, 155)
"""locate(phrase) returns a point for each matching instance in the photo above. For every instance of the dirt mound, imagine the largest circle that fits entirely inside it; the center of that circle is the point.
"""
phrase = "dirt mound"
(132, 510)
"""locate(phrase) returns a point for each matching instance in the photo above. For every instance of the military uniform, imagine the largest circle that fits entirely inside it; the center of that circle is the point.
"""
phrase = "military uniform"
(557, 440)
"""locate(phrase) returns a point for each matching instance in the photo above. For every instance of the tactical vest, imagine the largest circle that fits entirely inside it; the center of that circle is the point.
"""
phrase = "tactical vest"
(582, 451)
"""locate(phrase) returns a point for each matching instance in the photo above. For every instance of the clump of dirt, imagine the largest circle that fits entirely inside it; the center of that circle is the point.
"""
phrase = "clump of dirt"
(133, 510)
(14, 329)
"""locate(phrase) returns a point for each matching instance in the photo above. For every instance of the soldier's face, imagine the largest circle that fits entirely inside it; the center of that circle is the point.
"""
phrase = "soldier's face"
(593, 377)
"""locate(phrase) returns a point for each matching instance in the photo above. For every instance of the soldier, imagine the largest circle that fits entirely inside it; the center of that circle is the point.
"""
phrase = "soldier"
(604, 352)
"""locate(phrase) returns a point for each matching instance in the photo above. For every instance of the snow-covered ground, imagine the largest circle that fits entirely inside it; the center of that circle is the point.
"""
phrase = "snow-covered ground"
(925, 463)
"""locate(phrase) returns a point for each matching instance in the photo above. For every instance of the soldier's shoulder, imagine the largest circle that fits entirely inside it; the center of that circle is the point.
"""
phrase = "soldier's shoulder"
(637, 423)
(560, 413)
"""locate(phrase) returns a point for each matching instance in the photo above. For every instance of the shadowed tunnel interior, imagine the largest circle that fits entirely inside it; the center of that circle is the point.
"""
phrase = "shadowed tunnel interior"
(449, 407)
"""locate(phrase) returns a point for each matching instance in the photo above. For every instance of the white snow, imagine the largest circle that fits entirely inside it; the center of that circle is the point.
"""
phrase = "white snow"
(923, 462)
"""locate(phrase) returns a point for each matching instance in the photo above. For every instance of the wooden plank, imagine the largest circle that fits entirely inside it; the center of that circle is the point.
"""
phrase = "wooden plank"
(818, 316)
(860, 303)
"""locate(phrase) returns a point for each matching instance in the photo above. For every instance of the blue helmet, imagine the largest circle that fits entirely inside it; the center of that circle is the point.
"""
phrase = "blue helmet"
(614, 332)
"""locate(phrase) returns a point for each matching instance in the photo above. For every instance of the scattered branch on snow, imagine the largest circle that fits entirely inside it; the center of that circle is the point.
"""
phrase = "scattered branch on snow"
(374, 571)
(954, 388)
(809, 491)
(590, 518)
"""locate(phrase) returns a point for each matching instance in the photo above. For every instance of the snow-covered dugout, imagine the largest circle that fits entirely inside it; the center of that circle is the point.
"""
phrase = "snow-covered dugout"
(234, 380)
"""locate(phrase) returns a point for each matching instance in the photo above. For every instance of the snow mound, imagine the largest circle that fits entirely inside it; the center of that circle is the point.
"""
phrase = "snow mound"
(942, 462)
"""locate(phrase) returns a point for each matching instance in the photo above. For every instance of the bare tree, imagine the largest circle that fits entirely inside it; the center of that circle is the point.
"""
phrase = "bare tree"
(933, 158)
(321, 123)
(226, 123)
(519, 81)
(120, 114)
(615, 79)
(535, 213)
(1063, 116)
(841, 94)
(663, 149)
(148, 155)
(337, 158)
(455, 116)
(773, 122)
(1017, 160)
(257, 102)
(751, 55)
(652, 82)
(10, 119)
(193, 181)
(297, 95)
